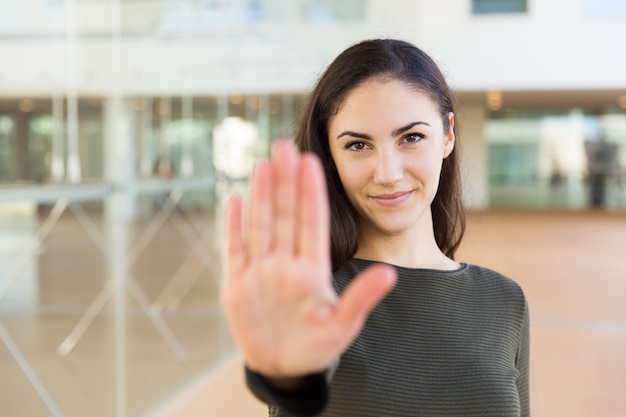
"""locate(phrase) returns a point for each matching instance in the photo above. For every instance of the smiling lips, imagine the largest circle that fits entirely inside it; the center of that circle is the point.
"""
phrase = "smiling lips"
(392, 200)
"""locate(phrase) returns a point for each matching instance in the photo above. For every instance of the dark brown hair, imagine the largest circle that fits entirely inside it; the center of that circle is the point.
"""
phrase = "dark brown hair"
(383, 59)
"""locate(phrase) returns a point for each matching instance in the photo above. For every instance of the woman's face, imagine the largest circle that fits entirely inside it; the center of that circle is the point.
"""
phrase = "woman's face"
(388, 143)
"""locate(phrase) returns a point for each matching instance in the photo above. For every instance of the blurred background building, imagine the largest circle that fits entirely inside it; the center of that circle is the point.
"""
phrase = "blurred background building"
(123, 123)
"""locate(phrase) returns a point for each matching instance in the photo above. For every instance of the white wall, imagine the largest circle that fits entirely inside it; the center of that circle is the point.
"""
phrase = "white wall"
(283, 55)
(558, 44)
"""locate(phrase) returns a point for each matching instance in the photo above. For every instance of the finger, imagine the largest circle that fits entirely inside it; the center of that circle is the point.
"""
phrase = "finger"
(234, 248)
(366, 290)
(259, 236)
(313, 234)
(285, 166)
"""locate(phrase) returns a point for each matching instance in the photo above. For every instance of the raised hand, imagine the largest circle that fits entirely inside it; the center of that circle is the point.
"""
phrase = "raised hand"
(277, 292)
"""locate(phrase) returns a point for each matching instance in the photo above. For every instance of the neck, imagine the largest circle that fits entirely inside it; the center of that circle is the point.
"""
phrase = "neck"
(413, 248)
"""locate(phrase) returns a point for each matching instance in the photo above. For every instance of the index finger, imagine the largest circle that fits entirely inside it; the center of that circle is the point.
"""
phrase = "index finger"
(313, 234)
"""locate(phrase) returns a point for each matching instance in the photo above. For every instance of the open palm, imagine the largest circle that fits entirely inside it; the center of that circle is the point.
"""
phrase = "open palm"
(277, 292)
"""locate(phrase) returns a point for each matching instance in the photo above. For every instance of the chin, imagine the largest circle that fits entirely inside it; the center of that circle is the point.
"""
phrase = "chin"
(394, 228)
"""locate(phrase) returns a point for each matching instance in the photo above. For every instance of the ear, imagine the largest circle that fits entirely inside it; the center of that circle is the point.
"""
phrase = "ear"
(449, 137)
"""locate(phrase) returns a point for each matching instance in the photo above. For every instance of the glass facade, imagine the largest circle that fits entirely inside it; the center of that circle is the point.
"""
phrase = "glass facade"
(8, 168)
(111, 202)
(557, 159)
(330, 11)
(499, 6)
(179, 18)
(121, 298)
(175, 135)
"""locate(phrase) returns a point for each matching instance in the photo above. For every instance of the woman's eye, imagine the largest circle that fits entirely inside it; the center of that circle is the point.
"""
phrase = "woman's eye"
(413, 137)
(356, 146)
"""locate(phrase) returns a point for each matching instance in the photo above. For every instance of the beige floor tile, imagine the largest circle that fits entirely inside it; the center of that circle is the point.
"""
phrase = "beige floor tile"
(571, 265)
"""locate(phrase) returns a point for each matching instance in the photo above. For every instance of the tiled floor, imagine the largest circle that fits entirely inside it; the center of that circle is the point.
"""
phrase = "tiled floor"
(143, 344)
(572, 266)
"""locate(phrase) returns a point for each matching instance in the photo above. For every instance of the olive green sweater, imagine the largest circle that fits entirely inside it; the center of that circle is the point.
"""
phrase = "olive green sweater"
(442, 343)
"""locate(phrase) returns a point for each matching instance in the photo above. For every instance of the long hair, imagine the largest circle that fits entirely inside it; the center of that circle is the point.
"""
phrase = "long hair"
(392, 60)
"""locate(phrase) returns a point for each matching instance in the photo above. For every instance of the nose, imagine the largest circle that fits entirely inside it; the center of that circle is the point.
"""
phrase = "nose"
(389, 167)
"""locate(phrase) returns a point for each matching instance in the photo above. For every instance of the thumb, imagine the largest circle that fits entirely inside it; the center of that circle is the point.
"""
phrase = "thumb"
(358, 300)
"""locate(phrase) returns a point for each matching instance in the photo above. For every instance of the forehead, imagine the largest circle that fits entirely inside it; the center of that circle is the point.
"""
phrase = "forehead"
(392, 102)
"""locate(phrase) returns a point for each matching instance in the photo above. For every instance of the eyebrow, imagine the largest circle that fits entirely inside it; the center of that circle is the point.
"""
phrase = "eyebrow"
(396, 132)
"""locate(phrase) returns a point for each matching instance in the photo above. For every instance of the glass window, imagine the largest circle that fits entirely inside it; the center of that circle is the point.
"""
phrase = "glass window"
(7, 149)
(551, 159)
(499, 6)
(189, 16)
(605, 7)
(40, 147)
(91, 140)
(330, 11)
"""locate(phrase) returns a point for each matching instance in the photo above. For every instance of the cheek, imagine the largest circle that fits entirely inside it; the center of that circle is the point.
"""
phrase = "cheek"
(354, 179)
(351, 177)
(427, 169)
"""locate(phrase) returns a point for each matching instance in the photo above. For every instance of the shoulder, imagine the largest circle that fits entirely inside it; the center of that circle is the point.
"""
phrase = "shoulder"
(350, 268)
(490, 277)
(467, 276)
(344, 274)
(497, 285)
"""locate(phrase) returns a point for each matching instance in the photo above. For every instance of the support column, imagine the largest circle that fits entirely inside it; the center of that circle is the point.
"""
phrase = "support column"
(474, 155)
(120, 165)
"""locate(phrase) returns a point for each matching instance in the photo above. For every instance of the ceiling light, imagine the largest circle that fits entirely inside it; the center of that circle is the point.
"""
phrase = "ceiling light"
(26, 105)
(494, 100)
(236, 99)
(163, 107)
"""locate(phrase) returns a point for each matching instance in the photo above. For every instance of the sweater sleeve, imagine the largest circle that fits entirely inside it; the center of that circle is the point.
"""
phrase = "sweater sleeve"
(522, 364)
(300, 397)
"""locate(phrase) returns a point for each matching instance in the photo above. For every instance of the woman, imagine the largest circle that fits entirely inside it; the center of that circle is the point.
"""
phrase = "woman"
(375, 318)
